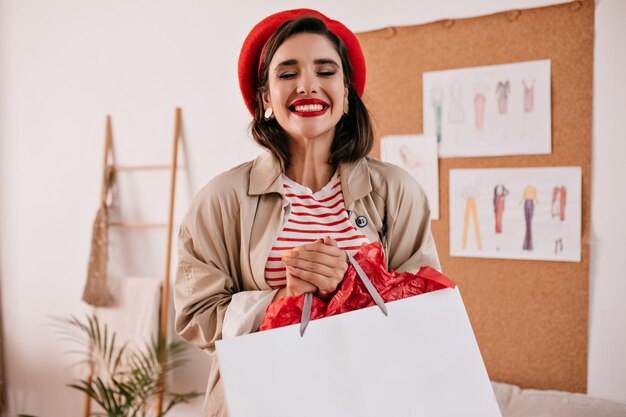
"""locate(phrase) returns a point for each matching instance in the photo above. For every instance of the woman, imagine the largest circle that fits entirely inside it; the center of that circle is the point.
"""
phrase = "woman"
(313, 191)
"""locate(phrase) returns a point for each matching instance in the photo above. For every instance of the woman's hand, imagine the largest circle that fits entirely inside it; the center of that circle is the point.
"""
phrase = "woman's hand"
(321, 264)
(295, 286)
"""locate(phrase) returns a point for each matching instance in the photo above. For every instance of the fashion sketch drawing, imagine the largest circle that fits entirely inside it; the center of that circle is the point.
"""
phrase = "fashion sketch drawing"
(559, 199)
(529, 198)
(491, 110)
(499, 194)
(543, 222)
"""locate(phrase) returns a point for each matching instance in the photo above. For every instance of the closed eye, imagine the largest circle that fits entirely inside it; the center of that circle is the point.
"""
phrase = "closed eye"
(287, 75)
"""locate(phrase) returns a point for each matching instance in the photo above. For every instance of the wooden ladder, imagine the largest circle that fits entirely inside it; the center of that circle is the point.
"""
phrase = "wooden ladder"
(108, 169)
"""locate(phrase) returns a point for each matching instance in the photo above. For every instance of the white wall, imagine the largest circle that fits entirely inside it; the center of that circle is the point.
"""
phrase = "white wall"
(64, 64)
(607, 315)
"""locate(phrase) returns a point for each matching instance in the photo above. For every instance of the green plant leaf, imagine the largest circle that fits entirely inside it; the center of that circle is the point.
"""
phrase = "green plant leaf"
(130, 379)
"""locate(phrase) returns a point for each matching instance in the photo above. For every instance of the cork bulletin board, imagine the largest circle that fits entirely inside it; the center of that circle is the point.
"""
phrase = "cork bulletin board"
(530, 317)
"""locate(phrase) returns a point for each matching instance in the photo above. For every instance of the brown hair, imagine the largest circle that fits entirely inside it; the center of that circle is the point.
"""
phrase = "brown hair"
(354, 135)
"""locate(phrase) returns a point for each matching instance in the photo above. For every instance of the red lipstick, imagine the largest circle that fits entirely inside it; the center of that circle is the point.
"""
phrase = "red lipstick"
(309, 107)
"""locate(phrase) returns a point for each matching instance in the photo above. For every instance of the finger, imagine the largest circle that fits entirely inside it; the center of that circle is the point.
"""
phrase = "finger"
(329, 241)
(316, 245)
(316, 267)
(320, 247)
(304, 259)
(322, 282)
(299, 285)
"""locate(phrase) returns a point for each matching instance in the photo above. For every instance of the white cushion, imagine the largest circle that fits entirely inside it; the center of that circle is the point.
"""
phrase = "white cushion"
(516, 402)
(504, 393)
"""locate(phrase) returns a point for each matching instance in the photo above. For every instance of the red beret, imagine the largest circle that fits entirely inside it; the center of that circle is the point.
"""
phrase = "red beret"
(250, 55)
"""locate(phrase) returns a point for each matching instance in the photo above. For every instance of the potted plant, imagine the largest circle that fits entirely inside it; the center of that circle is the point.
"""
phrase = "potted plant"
(125, 381)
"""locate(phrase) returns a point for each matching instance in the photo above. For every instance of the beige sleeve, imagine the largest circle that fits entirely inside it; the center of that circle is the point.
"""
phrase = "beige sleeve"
(202, 291)
(245, 312)
(410, 242)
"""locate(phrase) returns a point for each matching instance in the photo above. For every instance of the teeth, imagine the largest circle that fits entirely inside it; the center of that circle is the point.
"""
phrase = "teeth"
(309, 107)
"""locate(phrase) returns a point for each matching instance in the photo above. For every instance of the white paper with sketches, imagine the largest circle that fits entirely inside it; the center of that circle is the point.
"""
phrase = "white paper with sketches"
(417, 154)
(516, 213)
(490, 110)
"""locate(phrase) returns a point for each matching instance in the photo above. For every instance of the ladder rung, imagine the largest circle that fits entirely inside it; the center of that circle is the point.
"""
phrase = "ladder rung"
(139, 167)
(136, 225)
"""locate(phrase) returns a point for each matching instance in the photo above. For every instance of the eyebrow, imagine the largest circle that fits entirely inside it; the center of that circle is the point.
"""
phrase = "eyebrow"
(320, 61)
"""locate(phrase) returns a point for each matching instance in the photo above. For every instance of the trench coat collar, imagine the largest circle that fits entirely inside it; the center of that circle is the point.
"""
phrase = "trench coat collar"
(355, 181)
(265, 178)
(265, 175)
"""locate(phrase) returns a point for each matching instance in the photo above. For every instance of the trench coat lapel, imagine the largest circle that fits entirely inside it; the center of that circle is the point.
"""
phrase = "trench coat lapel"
(356, 184)
(266, 183)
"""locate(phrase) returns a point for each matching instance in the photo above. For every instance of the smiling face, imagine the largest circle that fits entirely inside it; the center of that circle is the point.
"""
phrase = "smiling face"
(306, 88)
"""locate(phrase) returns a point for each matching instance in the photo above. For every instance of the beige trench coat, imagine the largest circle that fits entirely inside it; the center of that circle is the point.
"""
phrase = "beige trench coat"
(233, 222)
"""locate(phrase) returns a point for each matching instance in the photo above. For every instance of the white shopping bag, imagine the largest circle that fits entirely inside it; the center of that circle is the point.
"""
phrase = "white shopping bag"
(420, 360)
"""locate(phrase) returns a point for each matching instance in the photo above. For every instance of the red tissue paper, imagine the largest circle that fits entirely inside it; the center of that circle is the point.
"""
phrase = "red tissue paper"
(352, 294)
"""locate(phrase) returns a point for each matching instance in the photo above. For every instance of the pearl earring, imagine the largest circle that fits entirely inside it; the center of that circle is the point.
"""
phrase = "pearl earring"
(269, 114)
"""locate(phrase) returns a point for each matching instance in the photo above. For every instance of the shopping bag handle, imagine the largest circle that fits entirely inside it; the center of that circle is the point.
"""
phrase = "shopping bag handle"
(368, 285)
(308, 297)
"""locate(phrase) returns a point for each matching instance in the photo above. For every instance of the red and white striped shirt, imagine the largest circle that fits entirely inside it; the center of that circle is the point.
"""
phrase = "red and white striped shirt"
(312, 216)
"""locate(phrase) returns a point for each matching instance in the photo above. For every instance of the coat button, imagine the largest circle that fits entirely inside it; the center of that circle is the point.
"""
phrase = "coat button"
(361, 221)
